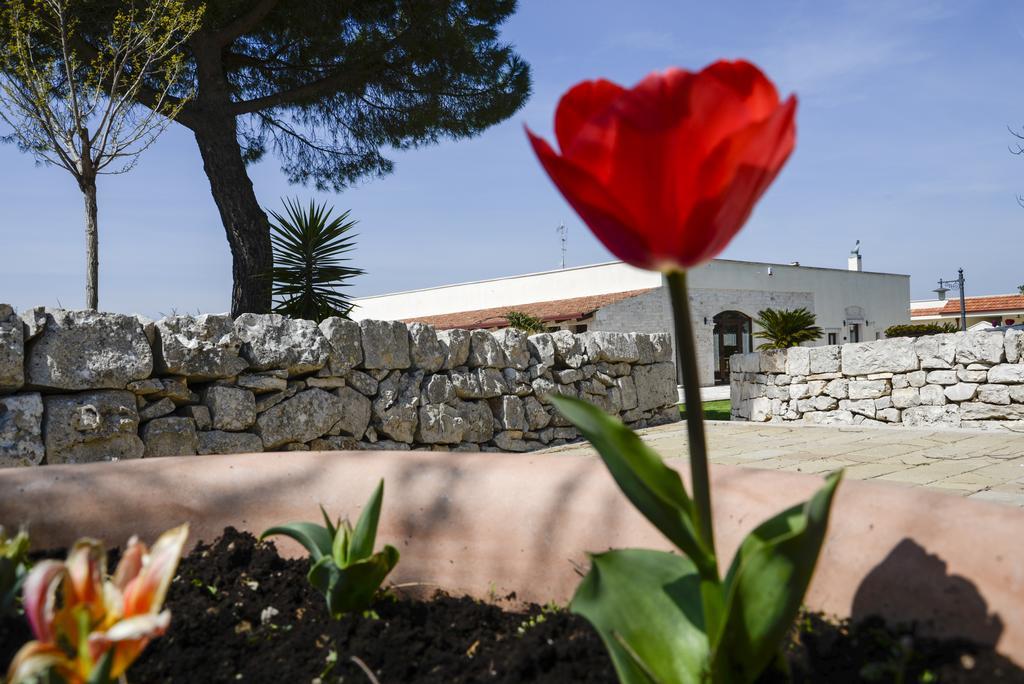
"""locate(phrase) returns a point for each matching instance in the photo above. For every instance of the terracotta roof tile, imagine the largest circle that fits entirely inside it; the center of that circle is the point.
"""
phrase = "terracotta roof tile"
(554, 311)
(993, 304)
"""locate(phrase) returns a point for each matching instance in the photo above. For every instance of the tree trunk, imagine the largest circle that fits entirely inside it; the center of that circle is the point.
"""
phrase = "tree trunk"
(247, 228)
(92, 245)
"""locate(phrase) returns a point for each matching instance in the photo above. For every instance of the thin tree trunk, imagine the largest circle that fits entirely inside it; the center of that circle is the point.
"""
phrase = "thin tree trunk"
(247, 227)
(92, 245)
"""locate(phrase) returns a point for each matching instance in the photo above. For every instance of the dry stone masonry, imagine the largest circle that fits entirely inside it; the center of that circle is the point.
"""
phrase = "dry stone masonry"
(82, 386)
(970, 380)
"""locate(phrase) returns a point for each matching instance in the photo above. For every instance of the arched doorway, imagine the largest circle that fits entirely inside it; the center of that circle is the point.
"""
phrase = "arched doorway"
(733, 334)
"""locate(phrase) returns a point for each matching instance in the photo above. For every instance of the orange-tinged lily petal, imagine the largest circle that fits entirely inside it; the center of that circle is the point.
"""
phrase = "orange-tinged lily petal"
(39, 596)
(128, 637)
(87, 565)
(146, 592)
(35, 658)
(131, 563)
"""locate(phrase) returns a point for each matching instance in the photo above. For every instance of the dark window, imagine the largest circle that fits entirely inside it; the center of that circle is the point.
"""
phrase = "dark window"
(832, 338)
(582, 327)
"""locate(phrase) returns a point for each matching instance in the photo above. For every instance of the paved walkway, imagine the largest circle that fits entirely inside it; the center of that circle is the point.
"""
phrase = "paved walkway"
(971, 463)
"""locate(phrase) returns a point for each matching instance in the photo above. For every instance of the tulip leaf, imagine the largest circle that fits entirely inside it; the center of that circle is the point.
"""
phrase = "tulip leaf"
(655, 489)
(100, 674)
(646, 606)
(342, 549)
(352, 588)
(365, 533)
(313, 537)
(766, 583)
(332, 528)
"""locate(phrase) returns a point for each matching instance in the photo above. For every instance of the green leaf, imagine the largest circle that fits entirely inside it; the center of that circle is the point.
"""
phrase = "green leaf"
(101, 672)
(353, 588)
(766, 584)
(332, 528)
(342, 549)
(655, 489)
(365, 533)
(646, 606)
(313, 537)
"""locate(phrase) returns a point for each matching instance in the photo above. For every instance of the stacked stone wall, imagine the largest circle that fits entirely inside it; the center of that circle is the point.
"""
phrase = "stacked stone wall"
(82, 386)
(964, 379)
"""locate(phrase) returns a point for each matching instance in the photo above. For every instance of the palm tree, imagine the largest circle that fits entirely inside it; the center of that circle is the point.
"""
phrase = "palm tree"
(308, 269)
(784, 328)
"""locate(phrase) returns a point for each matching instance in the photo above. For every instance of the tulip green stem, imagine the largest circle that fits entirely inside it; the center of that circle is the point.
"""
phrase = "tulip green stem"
(686, 356)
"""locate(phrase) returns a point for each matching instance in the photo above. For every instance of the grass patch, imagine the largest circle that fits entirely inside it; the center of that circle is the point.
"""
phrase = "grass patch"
(713, 410)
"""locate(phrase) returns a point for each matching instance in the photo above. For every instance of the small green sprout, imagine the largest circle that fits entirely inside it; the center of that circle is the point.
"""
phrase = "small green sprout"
(344, 568)
(14, 567)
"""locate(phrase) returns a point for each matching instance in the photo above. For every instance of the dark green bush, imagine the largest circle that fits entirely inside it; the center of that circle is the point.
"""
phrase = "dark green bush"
(920, 329)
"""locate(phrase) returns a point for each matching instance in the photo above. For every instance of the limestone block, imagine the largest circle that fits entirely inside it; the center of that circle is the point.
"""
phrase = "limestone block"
(511, 440)
(455, 344)
(937, 351)
(883, 403)
(273, 341)
(895, 355)
(479, 421)
(425, 350)
(917, 378)
(994, 394)
(12, 350)
(35, 322)
(799, 390)
(82, 350)
(514, 343)
(568, 350)
(484, 351)
(655, 385)
(980, 411)
(217, 442)
(662, 344)
(760, 410)
(395, 408)
(172, 436)
(863, 407)
(825, 359)
(231, 408)
(355, 412)
(518, 382)
(900, 381)
(933, 395)
(440, 424)
(933, 416)
(536, 417)
(825, 403)
(1017, 393)
(868, 389)
(627, 392)
(306, 416)
(21, 429)
(438, 389)
(345, 348)
(163, 407)
(942, 377)
(361, 382)
(968, 375)
(91, 426)
(479, 383)
(839, 417)
(509, 413)
(613, 347)
(1007, 374)
(146, 387)
(542, 349)
(773, 360)
(889, 415)
(906, 397)
(962, 391)
(798, 361)
(1013, 345)
(385, 345)
(200, 415)
(202, 347)
(327, 383)
(980, 347)
(816, 387)
(838, 388)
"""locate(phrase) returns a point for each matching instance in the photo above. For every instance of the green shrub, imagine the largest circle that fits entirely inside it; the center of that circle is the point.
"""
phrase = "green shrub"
(920, 329)
(525, 322)
(784, 328)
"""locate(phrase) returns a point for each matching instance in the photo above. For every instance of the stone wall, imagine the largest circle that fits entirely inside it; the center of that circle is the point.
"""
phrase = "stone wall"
(80, 386)
(971, 380)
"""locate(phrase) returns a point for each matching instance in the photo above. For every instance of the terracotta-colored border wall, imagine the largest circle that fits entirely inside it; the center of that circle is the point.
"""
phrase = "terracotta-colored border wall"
(476, 523)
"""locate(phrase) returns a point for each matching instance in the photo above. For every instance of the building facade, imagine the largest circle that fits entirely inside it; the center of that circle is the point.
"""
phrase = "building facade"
(982, 312)
(725, 298)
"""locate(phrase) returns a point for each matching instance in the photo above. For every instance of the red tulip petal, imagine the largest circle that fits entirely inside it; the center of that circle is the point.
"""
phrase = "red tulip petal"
(579, 105)
(593, 203)
(39, 596)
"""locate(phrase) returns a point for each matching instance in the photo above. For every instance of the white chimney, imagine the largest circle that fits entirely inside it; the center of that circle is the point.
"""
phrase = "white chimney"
(853, 263)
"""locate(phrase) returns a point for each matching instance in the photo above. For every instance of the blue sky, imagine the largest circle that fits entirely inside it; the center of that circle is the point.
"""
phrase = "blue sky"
(902, 144)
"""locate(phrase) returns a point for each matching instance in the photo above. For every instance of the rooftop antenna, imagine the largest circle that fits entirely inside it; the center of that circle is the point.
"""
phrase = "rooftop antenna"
(562, 236)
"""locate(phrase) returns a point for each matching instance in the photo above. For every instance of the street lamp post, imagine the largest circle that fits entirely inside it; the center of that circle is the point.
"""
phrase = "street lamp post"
(958, 284)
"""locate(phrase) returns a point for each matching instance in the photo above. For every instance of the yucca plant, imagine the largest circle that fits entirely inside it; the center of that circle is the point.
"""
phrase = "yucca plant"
(784, 328)
(309, 263)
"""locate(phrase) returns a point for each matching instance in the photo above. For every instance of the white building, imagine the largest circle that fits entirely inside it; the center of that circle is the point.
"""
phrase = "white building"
(985, 312)
(851, 305)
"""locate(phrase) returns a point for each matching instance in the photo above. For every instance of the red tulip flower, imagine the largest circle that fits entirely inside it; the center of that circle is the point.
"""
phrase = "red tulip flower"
(666, 173)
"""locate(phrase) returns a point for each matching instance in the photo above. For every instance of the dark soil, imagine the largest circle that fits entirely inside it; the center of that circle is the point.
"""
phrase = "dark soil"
(241, 613)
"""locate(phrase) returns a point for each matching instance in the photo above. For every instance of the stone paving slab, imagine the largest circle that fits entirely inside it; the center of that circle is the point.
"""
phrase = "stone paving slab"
(976, 464)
